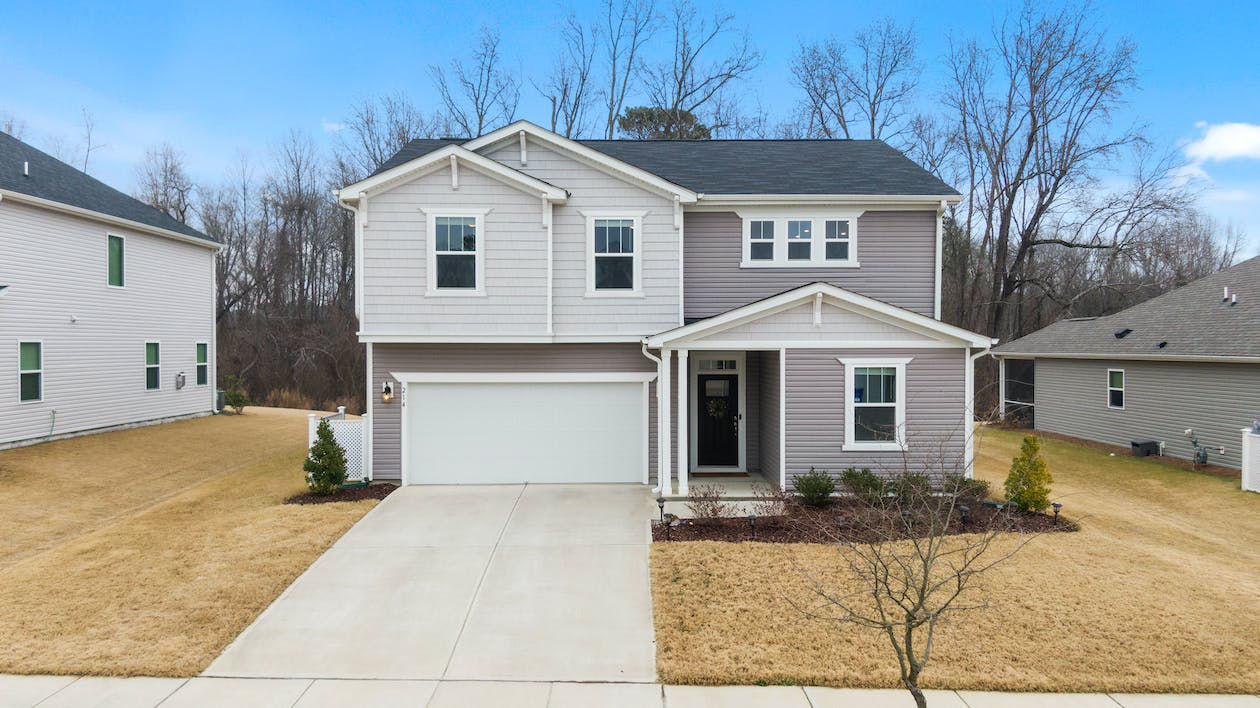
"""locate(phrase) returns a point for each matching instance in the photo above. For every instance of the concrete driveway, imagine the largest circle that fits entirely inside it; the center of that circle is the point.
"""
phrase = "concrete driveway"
(504, 582)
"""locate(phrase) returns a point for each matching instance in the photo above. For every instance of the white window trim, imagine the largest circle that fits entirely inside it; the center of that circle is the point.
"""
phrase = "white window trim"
(636, 257)
(39, 371)
(431, 288)
(899, 363)
(196, 363)
(108, 236)
(147, 365)
(1124, 396)
(818, 240)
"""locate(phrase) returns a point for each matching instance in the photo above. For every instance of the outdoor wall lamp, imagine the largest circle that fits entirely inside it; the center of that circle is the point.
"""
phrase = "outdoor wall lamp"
(387, 392)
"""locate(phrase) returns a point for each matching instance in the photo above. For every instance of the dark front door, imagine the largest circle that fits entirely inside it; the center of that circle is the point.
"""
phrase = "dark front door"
(717, 420)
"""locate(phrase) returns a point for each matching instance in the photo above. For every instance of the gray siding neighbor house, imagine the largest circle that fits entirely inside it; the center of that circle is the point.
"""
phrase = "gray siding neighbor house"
(1188, 360)
(106, 305)
(540, 309)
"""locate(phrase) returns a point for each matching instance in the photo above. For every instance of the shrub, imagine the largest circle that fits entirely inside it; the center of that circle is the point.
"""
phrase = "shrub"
(909, 488)
(234, 393)
(814, 487)
(770, 500)
(1028, 484)
(705, 501)
(326, 464)
(862, 483)
(968, 489)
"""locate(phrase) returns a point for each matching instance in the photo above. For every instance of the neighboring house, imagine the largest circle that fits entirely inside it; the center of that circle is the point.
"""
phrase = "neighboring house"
(524, 298)
(106, 305)
(1186, 360)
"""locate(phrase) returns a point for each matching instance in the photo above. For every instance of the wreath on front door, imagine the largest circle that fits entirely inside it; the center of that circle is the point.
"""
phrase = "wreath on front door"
(717, 408)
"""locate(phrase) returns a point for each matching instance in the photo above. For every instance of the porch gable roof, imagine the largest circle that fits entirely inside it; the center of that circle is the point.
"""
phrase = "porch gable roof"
(830, 294)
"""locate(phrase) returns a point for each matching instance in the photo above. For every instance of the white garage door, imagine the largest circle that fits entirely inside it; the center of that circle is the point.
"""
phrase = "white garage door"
(491, 433)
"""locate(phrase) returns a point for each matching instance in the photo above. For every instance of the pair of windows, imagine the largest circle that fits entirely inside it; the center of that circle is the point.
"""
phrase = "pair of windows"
(802, 241)
(875, 408)
(456, 263)
(31, 368)
(153, 364)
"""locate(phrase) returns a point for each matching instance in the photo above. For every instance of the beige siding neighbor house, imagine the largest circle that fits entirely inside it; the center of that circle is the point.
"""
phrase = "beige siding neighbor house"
(540, 309)
(106, 305)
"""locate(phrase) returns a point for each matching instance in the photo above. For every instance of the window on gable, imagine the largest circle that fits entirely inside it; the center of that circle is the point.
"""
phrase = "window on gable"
(837, 239)
(203, 363)
(1115, 388)
(115, 257)
(455, 248)
(152, 366)
(761, 236)
(614, 254)
(800, 234)
(30, 371)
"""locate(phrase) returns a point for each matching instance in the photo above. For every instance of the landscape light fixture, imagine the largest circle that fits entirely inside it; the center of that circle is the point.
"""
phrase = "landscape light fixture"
(1057, 506)
(660, 504)
(387, 392)
(963, 511)
(752, 524)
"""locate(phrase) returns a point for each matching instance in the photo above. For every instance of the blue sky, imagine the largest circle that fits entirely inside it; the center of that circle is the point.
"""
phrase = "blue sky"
(224, 79)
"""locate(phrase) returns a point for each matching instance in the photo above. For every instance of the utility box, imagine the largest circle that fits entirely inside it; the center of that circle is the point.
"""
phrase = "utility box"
(1144, 448)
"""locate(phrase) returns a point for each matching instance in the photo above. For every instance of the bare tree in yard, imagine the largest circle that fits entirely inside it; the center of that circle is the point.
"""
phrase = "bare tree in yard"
(379, 127)
(570, 86)
(12, 125)
(870, 91)
(481, 95)
(629, 25)
(89, 130)
(690, 80)
(163, 182)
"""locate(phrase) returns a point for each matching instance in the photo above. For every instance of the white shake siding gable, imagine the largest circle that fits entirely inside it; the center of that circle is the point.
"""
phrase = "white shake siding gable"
(594, 190)
(94, 335)
(395, 259)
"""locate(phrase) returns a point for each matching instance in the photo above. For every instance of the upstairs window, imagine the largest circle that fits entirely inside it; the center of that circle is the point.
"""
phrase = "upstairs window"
(203, 363)
(789, 238)
(30, 372)
(800, 234)
(613, 249)
(1115, 388)
(875, 405)
(115, 260)
(152, 366)
(761, 236)
(837, 240)
(456, 253)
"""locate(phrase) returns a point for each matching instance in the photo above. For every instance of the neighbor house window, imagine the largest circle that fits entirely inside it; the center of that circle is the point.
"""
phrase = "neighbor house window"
(115, 256)
(30, 371)
(152, 366)
(203, 363)
(875, 407)
(788, 239)
(613, 255)
(1115, 388)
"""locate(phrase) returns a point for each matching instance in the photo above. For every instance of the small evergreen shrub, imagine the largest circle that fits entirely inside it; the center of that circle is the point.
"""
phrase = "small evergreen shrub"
(910, 487)
(1028, 484)
(863, 483)
(814, 487)
(326, 464)
(234, 395)
(966, 489)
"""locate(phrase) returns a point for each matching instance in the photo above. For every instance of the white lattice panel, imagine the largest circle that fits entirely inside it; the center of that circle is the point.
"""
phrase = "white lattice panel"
(349, 434)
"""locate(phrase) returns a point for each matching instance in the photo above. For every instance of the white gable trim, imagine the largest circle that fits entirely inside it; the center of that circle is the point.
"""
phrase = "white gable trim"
(596, 158)
(452, 155)
(840, 297)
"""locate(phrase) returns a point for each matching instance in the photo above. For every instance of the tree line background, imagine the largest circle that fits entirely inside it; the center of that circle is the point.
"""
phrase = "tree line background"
(1066, 211)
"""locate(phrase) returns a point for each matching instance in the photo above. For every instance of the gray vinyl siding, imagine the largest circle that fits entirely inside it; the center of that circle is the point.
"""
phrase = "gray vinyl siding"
(596, 190)
(934, 412)
(395, 259)
(896, 249)
(94, 335)
(386, 426)
(768, 453)
(1161, 400)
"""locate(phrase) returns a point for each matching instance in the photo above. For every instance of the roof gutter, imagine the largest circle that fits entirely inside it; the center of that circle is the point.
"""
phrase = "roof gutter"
(107, 218)
(1132, 357)
(932, 200)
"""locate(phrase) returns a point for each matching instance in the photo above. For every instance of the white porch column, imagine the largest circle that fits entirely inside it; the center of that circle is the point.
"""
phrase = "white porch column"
(663, 424)
(1001, 388)
(684, 418)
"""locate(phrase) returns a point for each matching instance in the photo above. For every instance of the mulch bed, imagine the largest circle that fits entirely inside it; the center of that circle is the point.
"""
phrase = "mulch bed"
(844, 518)
(371, 491)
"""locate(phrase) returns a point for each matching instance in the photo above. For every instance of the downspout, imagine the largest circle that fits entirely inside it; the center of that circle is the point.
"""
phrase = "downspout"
(969, 412)
(644, 348)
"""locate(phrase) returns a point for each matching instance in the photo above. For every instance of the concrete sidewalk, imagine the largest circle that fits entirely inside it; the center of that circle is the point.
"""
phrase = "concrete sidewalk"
(95, 692)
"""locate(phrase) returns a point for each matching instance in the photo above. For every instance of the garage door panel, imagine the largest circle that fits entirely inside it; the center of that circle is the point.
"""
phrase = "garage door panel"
(485, 433)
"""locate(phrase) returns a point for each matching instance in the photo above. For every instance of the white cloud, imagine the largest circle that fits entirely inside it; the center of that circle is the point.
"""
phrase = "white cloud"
(1225, 141)
(1229, 195)
(332, 126)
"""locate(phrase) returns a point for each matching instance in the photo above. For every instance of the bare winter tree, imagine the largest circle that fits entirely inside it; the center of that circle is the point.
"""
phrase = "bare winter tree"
(569, 87)
(12, 125)
(376, 129)
(629, 25)
(162, 181)
(89, 129)
(480, 95)
(690, 80)
(871, 91)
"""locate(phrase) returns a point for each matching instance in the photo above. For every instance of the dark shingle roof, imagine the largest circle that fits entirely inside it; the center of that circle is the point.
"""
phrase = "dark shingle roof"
(867, 167)
(56, 181)
(1191, 321)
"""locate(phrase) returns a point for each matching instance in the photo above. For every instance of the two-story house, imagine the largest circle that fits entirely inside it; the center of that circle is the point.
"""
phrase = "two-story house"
(540, 309)
(107, 305)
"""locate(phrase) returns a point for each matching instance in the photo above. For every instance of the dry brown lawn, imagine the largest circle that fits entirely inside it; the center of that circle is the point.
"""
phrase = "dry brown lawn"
(1160, 591)
(146, 551)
